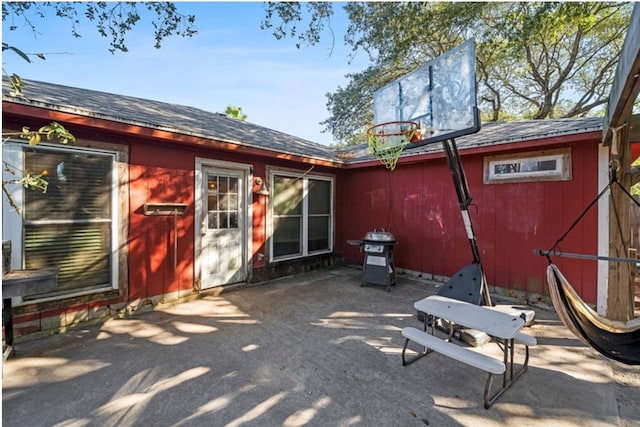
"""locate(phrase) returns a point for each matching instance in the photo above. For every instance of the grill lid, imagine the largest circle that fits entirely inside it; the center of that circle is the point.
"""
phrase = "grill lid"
(379, 236)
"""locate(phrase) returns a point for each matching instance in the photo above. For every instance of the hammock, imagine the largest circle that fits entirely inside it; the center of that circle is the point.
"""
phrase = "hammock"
(614, 339)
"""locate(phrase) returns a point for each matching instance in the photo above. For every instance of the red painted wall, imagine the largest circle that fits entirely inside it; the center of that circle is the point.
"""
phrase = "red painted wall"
(418, 203)
(165, 173)
(159, 174)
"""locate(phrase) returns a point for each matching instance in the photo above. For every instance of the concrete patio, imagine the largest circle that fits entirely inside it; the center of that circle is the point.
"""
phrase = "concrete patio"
(311, 350)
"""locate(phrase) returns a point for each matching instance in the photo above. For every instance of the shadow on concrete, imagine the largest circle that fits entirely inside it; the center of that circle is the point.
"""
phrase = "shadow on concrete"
(311, 350)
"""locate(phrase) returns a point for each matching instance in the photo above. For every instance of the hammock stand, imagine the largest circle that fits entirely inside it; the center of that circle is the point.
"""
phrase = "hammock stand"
(614, 339)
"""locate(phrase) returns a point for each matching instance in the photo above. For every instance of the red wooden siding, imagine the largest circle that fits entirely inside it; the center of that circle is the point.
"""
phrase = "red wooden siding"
(158, 174)
(259, 220)
(418, 203)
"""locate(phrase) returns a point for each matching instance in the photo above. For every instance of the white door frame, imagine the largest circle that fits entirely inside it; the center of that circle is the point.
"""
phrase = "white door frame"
(246, 225)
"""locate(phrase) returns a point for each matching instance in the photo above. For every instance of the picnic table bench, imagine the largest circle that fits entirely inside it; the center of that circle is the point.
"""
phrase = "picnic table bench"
(503, 328)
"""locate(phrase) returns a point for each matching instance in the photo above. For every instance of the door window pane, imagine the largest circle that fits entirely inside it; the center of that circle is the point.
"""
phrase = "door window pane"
(224, 206)
(224, 220)
(232, 202)
(233, 220)
(224, 202)
(212, 220)
(224, 187)
(233, 185)
(213, 201)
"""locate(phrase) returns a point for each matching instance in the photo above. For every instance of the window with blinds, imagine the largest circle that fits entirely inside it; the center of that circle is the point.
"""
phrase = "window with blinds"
(69, 226)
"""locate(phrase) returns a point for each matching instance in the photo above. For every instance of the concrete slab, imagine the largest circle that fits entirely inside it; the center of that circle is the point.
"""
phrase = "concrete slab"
(311, 350)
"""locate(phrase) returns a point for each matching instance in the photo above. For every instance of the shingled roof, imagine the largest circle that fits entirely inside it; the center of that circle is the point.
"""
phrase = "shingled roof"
(192, 121)
(165, 116)
(496, 133)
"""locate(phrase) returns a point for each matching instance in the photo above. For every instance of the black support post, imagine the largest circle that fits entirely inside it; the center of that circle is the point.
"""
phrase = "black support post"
(464, 200)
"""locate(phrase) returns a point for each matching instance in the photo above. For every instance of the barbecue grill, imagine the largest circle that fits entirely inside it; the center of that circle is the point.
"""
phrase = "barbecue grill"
(378, 267)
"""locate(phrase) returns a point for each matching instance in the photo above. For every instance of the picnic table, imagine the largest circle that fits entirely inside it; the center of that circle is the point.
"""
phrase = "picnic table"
(502, 328)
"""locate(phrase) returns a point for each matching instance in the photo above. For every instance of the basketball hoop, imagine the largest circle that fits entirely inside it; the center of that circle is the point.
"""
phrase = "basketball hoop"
(387, 140)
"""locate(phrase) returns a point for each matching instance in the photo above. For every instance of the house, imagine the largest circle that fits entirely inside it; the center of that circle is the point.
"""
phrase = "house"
(157, 202)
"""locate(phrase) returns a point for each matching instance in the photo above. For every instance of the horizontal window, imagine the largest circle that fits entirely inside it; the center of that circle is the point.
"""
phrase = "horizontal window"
(552, 165)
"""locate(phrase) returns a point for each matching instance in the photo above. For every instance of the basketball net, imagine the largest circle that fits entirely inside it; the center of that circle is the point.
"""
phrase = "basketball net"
(387, 140)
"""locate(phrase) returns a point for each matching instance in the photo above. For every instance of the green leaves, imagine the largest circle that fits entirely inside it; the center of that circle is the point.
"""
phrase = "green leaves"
(20, 53)
(235, 112)
(52, 131)
(55, 130)
(290, 17)
(16, 85)
(534, 60)
(113, 20)
(32, 181)
(29, 179)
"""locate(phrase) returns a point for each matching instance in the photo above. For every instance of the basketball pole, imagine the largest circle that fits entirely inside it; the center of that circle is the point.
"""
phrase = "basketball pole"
(464, 200)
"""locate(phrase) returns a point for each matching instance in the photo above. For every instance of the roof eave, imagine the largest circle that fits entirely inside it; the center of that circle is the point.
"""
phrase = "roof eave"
(106, 123)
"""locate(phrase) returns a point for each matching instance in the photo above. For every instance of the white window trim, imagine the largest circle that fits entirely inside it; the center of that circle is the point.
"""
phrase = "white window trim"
(271, 172)
(12, 222)
(562, 171)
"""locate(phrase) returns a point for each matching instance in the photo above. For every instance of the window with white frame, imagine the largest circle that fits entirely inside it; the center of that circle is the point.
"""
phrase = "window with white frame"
(71, 225)
(302, 215)
(551, 165)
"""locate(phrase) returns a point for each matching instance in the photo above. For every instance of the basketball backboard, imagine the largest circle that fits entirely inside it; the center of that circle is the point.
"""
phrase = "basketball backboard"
(440, 95)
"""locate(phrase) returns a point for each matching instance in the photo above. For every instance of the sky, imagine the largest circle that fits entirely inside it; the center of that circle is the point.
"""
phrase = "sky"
(231, 61)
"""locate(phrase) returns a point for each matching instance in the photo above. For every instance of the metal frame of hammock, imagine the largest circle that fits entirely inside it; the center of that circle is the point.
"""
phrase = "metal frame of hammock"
(614, 339)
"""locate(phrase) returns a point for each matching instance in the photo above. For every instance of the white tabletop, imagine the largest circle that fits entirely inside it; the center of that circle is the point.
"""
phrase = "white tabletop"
(493, 322)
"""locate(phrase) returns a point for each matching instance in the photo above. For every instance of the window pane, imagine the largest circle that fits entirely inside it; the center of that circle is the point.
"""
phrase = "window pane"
(81, 252)
(69, 226)
(232, 202)
(79, 186)
(318, 233)
(319, 197)
(212, 201)
(233, 185)
(547, 165)
(224, 205)
(286, 237)
(212, 221)
(287, 199)
(224, 187)
(233, 220)
(224, 220)
(212, 183)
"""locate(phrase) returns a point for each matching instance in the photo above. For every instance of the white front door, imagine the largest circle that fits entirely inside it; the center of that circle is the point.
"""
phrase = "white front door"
(223, 242)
